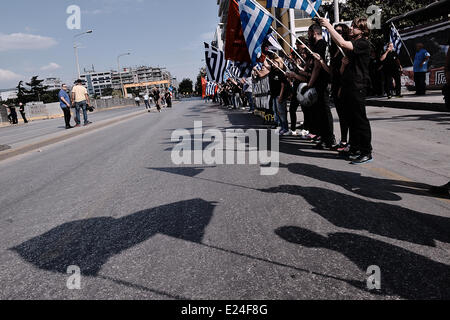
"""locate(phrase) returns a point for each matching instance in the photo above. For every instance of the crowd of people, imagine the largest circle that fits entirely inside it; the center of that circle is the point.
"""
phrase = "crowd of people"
(316, 76)
(78, 99)
(312, 77)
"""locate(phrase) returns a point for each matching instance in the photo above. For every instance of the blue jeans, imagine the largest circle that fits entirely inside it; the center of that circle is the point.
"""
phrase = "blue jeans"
(78, 106)
(249, 96)
(274, 102)
(280, 110)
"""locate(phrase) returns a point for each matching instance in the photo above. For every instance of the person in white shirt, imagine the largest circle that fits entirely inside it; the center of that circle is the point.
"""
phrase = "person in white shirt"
(146, 101)
(80, 100)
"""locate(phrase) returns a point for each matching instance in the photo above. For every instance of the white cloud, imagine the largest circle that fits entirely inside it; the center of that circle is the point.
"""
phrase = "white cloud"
(51, 66)
(24, 41)
(6, 75)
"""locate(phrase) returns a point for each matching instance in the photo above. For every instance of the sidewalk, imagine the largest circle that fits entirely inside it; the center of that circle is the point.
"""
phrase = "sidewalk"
(432, 101)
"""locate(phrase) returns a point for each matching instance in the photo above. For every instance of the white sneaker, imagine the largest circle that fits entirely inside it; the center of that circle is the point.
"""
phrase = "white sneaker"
(288, 133)
(304, 132)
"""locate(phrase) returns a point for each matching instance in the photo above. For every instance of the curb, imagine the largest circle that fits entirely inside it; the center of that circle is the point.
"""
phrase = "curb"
(44, 143)
(411, 105)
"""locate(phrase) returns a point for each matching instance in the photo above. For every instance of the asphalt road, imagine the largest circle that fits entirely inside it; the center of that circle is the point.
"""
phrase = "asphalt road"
(139, 227)
(10, 135)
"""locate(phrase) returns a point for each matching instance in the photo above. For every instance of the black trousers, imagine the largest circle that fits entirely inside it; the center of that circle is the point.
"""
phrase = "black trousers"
(388, 76)
(293, 113)
(22, 113)
(67, 116)
(13, 117)
(343, 121)
(419, 79)
(324, 117)
(359, 125)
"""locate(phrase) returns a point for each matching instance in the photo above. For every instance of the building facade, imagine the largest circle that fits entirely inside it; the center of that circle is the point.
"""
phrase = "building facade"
(140, 75)
(97, 82)
(6, 94)
(52, 84)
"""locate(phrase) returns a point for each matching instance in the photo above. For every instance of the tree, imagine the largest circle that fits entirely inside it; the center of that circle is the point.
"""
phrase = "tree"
(37, 90)
(21, 92)
(185, 86)
(389, 9)
(107, 92)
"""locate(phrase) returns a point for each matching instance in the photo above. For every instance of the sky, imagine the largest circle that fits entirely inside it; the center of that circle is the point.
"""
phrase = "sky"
(35, 40)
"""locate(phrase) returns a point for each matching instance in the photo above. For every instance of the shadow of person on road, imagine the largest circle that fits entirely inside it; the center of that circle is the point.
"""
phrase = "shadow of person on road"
(403, 273)
(89, 243)
(375, 188)
(383, 219)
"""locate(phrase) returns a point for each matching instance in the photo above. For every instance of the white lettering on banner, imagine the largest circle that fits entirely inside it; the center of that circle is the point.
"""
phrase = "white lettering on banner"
(261, 91)
(74, 20)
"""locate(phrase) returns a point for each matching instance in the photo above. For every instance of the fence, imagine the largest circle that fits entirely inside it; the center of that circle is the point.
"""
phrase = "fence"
(40, 111)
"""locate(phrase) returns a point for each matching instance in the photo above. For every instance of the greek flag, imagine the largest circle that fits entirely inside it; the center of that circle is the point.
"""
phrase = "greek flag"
(325, 33)
(255, 25)
(238, 70)
(210, 88)
(304, 5)
(395, 39)
(215, 63)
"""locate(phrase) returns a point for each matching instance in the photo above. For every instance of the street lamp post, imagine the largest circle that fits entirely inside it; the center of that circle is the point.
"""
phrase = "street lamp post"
(76, 50)
(120, 71)
(336, 11)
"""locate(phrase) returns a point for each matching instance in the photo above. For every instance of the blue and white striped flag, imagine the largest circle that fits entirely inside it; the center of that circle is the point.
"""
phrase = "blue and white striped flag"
(215, 63)
(297, 4)
(255, 25)
(395, 39)
(325, 32)
(210, 88)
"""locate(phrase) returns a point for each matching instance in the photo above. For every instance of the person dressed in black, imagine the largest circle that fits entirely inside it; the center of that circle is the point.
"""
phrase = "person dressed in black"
(392, 69)
(22, 112)
(355, 84)
(12, 117)
(168, 97)
(336, 85)
(319, 80)
(376, 74)
(157, 97)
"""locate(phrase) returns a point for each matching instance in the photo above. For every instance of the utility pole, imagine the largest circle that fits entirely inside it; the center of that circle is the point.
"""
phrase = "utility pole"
(120, 72)
(336, 11)
(75, 46)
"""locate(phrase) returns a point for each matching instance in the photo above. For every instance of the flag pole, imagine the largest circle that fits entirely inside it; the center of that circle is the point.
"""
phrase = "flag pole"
(404, 45)
(289, 30)
(318, 16)
(273, 63)
(289, 46)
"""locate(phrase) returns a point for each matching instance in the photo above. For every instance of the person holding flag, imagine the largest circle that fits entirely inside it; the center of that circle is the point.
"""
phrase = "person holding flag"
(355, 84)
(392, 70)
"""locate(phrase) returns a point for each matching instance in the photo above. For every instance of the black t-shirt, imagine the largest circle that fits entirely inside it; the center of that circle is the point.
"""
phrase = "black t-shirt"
(356, 74)
(276, 78)
(336, 78)
(320, 47)
(390, 63)
(156, 94)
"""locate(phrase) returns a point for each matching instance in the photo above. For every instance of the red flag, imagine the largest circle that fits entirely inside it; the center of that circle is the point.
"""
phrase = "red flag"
(203, 88)
(235, 45)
